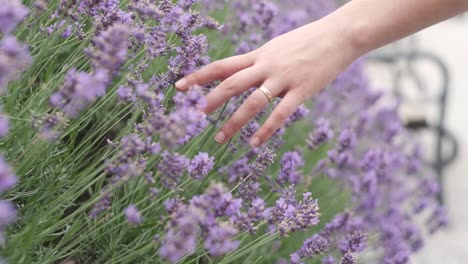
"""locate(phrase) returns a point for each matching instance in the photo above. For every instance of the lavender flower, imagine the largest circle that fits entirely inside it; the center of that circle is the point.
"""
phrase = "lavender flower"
(200, 219)
(220, 241)
(41, 5)
(186, 122)
(263, 161)
(8, 179)
(313, 246)
(7, 217)
(354, 242)
(132, 215)
(300, 113)
(102, 205)
(320, 135)
(294, 258)
(7, 214)
(349, 258)
(109, 51)
(14, 59)
(200, 165)
(173, 167)
(346, 140)
(248, 131)
(11, 13)
(290, 163)
(181, 236)
(328, 260)
(48, 125)
(238, 170)
(79, 90)
(289, 216)
(4, 126)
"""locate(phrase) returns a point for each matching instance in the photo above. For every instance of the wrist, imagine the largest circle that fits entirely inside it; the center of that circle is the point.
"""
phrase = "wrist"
(354, 34)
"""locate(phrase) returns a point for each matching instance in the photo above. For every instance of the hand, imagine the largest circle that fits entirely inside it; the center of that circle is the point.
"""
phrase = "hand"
(293, 66)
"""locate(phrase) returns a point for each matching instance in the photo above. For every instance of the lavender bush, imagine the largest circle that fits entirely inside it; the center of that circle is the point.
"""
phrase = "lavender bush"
(104, 162)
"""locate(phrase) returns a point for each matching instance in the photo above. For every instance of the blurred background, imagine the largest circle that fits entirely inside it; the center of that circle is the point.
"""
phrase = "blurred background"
(429, 72)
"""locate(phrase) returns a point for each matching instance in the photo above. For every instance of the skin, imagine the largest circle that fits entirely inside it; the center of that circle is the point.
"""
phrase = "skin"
(298, 64)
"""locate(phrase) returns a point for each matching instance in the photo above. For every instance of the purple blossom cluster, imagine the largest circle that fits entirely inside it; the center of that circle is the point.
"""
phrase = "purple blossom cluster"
(342, 234)
(369, 153)
(291, 162)
(132, 215)
(201, 165)
(203, 217)
(182, 124)
(80, 89)
(14, 59)
(11, 14)
(289, 216)
(174, 129)
(375, 159)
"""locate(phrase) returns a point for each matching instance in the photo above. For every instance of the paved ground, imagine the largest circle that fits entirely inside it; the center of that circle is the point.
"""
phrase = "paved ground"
(450, 41)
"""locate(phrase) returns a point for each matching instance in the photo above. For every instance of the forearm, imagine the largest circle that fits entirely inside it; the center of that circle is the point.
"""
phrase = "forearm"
(370, 24)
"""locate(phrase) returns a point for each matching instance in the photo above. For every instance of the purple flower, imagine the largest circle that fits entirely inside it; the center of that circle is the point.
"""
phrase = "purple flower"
(291, 162)
(7, 217)
(247, 221)
(389, 123)
(328, 260)
(220, 241)
(102, 205)
(300, 113)
(248, 190)
(349, 258)
(172, 167)
(48, 125)
(41, 5)
(79, 90)
(11, 13)
(239, 169)
(132, 215)
(109, 51)
(218, 200)
(294, 258)
(315, 245)
(264, 160)
(14, 59)
(289, 216)
(355, 242)
(7, 214)
(7, 177)
(200, 219)
(248, 131)
(320, 135)
(200, 165)
(179, 126)
(346, 140)
(4, 126)
(181, 235)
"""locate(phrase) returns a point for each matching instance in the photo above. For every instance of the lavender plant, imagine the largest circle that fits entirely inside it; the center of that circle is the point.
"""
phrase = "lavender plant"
(115, 166)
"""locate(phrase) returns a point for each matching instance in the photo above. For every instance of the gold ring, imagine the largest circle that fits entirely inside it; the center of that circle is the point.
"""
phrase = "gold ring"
(267, 93)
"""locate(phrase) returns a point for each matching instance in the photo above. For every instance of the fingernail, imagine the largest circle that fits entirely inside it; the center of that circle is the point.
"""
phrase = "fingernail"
(181, 83)
(220, 137)
(255, 142)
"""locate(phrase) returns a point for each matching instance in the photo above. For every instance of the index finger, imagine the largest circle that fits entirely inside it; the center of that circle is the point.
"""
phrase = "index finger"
(218, 70)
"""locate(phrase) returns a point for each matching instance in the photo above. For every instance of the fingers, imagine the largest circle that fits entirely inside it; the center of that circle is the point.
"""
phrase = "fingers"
(218, 70)
(278, 117)
(233, 86)
(251, 107)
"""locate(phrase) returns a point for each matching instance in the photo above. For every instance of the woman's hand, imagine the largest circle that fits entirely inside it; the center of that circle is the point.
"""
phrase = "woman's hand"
(293, 66)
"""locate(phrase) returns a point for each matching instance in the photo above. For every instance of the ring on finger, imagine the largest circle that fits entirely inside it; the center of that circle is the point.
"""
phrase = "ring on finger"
(266, 92)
